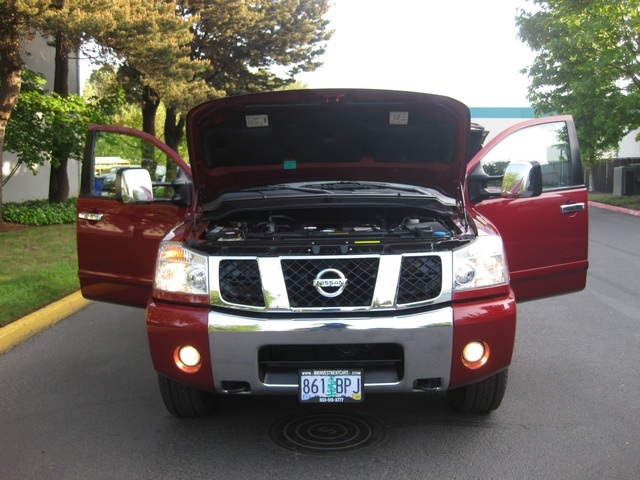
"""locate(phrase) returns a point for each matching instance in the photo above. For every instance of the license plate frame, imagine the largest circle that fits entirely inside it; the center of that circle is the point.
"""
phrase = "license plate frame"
(331, 385)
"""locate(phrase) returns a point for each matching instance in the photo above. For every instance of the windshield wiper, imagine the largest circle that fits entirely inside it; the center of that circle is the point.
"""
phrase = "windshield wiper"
(287, 187)
(374, 186)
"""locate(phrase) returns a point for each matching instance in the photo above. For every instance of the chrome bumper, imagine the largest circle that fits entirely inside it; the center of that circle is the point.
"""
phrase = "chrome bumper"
(426, 339)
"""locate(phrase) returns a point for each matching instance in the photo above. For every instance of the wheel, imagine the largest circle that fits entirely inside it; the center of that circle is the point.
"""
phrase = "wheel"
(481, 397)
(184, 401)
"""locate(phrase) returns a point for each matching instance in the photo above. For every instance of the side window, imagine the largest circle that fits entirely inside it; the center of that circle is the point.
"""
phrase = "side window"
(113, 151)
(547, 144)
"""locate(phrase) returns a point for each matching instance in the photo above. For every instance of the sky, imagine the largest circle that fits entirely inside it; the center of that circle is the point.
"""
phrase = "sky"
(466, 49)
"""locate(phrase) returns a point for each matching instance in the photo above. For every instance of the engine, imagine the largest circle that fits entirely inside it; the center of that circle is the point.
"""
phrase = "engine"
(331, 223)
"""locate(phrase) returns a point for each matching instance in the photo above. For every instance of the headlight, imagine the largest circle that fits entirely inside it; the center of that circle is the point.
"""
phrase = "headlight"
(482, 263)
(180, 270)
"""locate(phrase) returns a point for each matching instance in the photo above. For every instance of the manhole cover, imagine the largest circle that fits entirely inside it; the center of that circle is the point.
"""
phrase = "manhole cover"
(326, 433)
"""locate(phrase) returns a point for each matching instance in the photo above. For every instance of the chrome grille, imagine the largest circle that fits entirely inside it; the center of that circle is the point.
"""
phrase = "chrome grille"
(282, 284)
(361, 274)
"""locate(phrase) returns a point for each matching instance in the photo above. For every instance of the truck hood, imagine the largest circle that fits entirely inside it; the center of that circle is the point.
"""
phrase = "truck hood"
(328, 135)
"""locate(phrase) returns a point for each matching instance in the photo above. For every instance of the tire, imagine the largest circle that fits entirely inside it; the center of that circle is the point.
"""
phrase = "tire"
(183, 401)
(481, 397)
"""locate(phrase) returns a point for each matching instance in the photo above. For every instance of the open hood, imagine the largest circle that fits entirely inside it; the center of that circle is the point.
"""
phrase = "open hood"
(333, 135)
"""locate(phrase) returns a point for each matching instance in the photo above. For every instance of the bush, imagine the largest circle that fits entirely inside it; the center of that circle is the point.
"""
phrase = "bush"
(40, 212)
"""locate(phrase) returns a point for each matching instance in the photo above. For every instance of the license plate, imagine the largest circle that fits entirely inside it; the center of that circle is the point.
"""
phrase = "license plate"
(331, 386)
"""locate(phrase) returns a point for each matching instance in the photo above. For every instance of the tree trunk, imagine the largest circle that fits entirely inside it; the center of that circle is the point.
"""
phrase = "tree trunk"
(10, 84)
(59, 177)
(150, 104)
(173, 133)
(173, 128)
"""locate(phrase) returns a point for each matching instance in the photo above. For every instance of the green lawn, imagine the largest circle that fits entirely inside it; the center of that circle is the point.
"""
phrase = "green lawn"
(38, 266)
(631, 201)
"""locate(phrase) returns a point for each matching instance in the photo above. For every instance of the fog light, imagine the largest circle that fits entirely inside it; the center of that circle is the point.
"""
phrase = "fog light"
(475, 354)
(187, 358)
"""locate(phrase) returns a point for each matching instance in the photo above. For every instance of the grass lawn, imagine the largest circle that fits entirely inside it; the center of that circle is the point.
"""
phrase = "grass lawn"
(38, 266)
(630, 201)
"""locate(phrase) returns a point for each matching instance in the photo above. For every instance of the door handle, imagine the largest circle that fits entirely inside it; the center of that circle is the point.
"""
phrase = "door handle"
(91, 216)
(572, 207)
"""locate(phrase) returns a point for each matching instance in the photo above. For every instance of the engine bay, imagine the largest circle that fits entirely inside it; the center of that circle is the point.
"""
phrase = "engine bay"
(349, 224)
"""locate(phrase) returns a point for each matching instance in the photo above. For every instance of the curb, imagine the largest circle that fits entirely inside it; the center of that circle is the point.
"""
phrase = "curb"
(612, 208)
(17, 332)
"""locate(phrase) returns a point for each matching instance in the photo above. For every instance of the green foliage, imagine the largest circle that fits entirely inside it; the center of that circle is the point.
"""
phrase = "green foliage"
(40, 212)
(42, 122)
(244, 40)
(105, 93)
(587, 61)
(107, 89)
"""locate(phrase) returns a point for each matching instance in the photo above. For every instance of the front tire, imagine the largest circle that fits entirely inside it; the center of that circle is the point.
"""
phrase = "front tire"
(481, 397)
(183, 401)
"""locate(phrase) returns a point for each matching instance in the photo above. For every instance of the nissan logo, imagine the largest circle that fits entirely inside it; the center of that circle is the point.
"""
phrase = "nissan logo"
(330, 282)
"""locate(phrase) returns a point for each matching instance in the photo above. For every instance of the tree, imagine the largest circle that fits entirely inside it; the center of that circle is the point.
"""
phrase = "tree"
(587, 64)
(244, 40)
(104, 88)
(42, 122)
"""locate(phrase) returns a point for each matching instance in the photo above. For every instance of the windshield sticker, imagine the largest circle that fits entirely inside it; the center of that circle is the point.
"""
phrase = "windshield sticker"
(290, 165)
(398, 118)
(257, 121)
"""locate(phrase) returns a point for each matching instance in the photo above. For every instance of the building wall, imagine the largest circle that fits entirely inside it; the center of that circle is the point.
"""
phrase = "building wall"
(629, 147)
(39, 57)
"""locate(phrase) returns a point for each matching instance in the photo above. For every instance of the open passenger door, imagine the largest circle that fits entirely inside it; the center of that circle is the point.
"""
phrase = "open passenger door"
(545, 232)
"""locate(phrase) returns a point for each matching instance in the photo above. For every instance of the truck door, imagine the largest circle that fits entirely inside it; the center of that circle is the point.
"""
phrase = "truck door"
(118, 242)
(545, 235)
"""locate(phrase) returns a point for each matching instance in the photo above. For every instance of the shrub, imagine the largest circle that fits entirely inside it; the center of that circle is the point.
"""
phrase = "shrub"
(40, 212)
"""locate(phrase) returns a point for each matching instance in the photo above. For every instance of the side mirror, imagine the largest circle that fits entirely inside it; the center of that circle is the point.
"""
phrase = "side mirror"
(133, 185)
(183, 188)
(522, 180)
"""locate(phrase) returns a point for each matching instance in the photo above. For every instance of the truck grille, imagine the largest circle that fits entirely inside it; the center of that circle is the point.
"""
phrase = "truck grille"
(420, 279)
(360, 272)
(289, 282)
(240, 282)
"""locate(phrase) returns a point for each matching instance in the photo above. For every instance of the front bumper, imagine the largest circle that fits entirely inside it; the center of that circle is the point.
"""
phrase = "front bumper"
(425, 340)
(431, 343)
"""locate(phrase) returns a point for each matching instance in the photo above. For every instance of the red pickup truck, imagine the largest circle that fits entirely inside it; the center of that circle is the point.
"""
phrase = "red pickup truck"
(333, 244)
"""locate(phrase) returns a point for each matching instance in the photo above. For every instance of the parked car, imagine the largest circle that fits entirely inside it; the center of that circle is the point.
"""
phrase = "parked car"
(109, 180)
(335, 244)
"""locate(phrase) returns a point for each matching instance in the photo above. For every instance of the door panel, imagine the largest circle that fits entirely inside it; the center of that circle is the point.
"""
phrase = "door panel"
(545, 237)
(117, 242)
